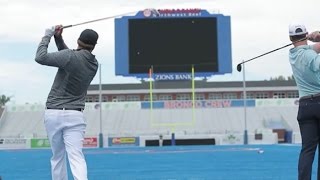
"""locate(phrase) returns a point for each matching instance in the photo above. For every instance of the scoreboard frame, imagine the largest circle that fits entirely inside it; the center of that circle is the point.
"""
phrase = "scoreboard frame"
(223, 41)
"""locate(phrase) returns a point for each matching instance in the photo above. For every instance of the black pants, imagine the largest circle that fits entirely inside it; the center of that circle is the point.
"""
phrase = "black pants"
(309, 123)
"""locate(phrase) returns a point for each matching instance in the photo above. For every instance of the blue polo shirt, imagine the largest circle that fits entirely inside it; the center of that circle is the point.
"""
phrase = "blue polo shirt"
(305, 64)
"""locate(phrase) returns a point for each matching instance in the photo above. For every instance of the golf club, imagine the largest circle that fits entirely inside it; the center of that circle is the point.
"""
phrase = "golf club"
(239, 67)
(101, 19)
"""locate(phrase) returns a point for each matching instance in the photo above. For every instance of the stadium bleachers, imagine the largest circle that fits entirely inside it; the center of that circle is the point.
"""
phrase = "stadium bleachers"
(22, 124)
(28, 122)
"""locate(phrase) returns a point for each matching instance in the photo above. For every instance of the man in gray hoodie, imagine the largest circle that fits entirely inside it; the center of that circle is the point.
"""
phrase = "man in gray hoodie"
(64, 120)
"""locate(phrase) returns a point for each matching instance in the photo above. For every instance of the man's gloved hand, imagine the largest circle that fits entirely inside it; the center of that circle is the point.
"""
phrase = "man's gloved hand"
(314, 36)
(50, 31)
(58, 31)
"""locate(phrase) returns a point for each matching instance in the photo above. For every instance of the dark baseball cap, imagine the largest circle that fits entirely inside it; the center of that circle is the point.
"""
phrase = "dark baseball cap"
(89, 36)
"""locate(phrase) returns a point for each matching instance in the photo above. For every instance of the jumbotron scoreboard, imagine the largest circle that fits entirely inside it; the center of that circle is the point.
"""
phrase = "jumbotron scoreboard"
(171, 42)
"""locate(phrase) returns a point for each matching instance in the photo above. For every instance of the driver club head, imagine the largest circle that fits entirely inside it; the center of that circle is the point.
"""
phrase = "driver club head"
(239, 67)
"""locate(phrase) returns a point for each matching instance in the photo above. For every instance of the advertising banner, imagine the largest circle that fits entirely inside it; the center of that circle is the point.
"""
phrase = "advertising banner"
(231, 138)
(155, 105)
(113, 105)
(26, 108)
(40, 143)
(198, 104)
(123, 141)
(13, 143)
(277, 102)
(90, 142)
(44, 143)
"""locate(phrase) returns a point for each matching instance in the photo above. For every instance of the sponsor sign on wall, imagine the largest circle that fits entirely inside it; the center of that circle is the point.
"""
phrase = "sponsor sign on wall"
(231, 138)
(198, 104)
(277, 102)
(13, 143)
(123, 141)
(25, 108)
(40, 143)
(113, 105)
(44, 143)
(90, 142)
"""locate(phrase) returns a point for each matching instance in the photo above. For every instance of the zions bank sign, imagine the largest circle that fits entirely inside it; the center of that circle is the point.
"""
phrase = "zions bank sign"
(172, 77)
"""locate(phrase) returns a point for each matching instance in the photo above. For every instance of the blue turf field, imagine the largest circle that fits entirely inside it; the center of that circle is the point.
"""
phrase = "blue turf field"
(165, 163)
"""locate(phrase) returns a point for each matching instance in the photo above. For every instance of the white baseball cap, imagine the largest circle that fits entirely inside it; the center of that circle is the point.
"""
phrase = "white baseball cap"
(297, 29)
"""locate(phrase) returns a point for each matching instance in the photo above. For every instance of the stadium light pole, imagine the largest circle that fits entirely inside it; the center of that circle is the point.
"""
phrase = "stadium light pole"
(245, 138)
(100, 108)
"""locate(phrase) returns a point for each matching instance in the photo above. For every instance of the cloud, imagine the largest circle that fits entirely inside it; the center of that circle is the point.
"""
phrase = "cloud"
(26, 82)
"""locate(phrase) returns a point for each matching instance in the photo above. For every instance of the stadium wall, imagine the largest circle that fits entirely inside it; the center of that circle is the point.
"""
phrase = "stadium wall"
(259, 136)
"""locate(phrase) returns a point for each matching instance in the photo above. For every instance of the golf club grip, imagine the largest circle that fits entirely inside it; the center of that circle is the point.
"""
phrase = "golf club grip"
(67, 26)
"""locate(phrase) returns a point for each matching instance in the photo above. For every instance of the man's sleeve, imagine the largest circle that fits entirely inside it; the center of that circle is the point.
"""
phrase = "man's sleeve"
(314, 63)
(57, 59)
(60, 43)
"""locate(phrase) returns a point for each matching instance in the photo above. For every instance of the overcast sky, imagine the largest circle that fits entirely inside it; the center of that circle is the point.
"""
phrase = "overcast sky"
(257, 27)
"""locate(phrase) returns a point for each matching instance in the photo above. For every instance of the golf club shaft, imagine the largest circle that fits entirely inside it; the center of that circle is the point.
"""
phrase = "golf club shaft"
(272, 51)
(101, 19)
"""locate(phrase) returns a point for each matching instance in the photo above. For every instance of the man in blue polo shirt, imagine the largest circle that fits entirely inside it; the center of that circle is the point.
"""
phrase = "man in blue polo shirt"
(305, 63)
